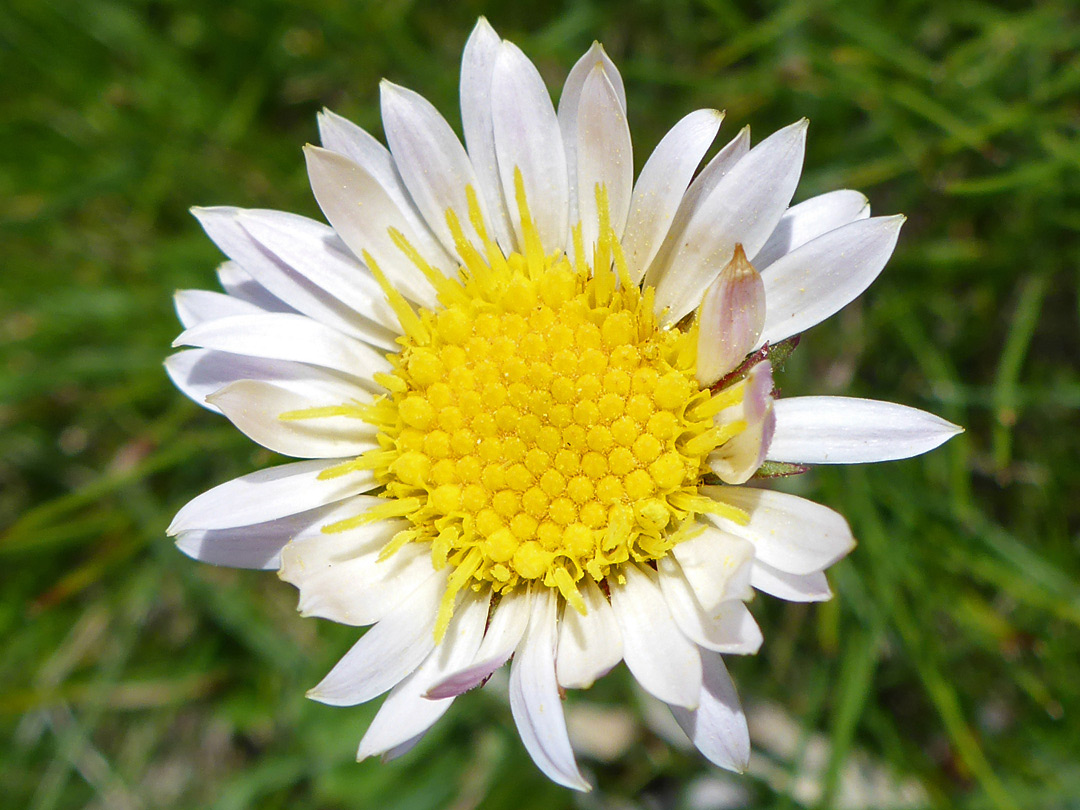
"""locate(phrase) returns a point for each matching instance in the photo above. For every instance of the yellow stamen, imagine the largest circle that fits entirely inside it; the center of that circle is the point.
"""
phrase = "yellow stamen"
(444, 287)
(391, 509)
(390, 382)
(534, 251)
(351, 411)
(495, 256)
(405, 315)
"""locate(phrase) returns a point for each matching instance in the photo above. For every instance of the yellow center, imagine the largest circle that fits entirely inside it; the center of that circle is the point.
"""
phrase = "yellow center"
(540, 426)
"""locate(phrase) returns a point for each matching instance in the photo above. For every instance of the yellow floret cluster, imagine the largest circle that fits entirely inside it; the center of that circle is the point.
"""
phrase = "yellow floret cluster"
(540, 426)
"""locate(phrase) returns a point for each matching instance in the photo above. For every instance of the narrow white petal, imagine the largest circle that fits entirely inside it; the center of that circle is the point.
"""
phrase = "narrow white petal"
(790, 533)
(198, 373)
(269, 494)
(527, 137)
(238, 283)
(534, 697)
(477, 69)
(727, 628)
(660, 186)
(258, 546)
(740, 457)
(363, 214)
(826, 274)
(508, 623)
(575, 80)
(846, 430)
(792, 587)
(659, 656)
(589, 645)
(718, 727)
(198, 306)
(388, 652)
(717, 566)
(431, 161)
(604, 157)
(282, 336)
(809, 220)
(569, 103)
(339, 574)
(756, 399)
(743, 208)
(223, 225)
(325, 270)
(256, 408)
(260, 552)
(403, 749)
(406, 713)
(341, 135)
(699, 191)
(730, 319)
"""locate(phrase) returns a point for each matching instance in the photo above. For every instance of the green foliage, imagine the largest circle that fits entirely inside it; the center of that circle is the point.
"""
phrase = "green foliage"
(132, 677)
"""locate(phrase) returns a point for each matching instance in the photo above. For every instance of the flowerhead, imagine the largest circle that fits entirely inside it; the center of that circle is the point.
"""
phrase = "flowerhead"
(528, 390)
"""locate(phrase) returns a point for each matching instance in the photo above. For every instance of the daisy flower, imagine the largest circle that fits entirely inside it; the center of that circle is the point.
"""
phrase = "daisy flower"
(527, 391)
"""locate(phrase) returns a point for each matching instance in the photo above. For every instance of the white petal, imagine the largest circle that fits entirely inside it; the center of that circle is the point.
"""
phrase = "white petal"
(406, 713)
(534, 697)
(198, 306)
(741, 456)
(403, 749)
(575, 80)
(569, 104)
(508, 623)
(198, 373)
(756, 397)
(809, 220)
(699, 190)
(717, 566)
(258, 546)
(727, 628)
(282, 336)
(223, 225)
(341, 135)
(325, 271)
(718, 727)
(822, 277)
(527, 137)
(260, 552)
(788, 532)
(431, 160)
(660, 186)
(339, 574)
(659, 656)
(256, 408)
(730, 319)
(277, 492)
(238, 283)
(477, 69)
(604, 158)
(743, 208)
(589, 645)
(388, 652)
(363, 214)
(792, 587)
(846, 430)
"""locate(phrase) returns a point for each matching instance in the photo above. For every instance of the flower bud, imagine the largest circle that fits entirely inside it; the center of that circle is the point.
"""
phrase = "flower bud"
(730, 319)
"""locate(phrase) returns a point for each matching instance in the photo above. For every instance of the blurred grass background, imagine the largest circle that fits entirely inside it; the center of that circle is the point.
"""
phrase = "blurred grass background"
(946, 673)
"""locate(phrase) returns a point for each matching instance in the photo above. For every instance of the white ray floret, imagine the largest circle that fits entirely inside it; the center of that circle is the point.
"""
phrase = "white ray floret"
(529, 392)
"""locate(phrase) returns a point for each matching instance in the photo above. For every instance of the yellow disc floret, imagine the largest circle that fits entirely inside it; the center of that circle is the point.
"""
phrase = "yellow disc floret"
(539, 426)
